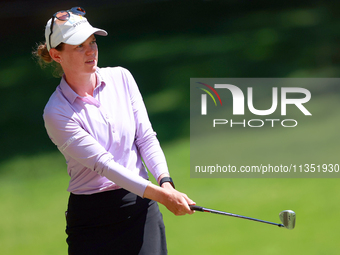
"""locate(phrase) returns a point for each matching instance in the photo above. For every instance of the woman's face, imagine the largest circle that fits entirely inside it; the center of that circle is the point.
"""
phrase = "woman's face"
(80, 59)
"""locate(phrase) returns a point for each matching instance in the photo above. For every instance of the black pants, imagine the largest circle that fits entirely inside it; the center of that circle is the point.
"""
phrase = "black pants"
(114, 222)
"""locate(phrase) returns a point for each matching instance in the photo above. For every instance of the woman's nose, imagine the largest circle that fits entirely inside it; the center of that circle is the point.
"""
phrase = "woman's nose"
(90, 49)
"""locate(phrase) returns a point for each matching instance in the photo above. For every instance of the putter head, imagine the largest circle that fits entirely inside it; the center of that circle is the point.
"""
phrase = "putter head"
(287, 218)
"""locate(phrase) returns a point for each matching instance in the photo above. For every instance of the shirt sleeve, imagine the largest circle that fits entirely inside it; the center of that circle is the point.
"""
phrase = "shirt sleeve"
(72, 140)
(145, 139)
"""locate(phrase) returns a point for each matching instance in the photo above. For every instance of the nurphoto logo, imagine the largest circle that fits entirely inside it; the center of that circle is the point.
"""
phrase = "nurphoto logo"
(238, 107)
(263, 127)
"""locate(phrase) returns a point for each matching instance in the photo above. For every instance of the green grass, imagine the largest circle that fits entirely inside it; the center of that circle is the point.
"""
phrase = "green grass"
(202, 233)
(33, 200)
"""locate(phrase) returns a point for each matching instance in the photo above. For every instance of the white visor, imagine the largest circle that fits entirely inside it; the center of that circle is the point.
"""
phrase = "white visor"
(74, 31)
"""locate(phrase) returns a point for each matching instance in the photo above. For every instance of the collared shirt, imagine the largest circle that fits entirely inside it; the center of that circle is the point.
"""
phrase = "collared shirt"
(105, 137)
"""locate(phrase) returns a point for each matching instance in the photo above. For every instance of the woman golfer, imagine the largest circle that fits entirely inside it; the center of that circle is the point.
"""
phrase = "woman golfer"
(97, 119)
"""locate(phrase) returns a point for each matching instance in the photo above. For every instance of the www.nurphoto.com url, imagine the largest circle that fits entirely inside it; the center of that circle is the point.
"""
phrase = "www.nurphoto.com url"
(268, 168)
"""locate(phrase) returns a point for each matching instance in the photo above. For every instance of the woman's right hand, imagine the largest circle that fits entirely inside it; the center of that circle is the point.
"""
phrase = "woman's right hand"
(175, 201)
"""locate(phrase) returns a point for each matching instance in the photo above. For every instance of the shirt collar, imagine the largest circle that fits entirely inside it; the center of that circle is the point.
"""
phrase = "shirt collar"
(69, 93)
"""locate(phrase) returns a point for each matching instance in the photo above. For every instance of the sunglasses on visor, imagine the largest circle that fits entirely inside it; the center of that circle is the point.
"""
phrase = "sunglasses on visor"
(64, 16)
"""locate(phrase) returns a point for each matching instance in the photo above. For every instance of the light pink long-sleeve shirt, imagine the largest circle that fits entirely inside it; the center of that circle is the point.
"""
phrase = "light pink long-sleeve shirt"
(104, 137)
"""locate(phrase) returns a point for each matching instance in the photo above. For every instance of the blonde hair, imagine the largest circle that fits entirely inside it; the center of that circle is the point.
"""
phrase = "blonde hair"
(44, 59)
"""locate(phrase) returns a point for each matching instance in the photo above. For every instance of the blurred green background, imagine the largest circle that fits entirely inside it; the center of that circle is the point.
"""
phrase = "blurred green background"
(164, 44)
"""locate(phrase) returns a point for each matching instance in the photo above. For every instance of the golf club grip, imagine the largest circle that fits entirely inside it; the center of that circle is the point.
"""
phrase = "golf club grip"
(196, 208)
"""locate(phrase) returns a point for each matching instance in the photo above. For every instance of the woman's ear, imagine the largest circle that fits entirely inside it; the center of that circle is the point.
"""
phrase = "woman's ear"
(55, 55)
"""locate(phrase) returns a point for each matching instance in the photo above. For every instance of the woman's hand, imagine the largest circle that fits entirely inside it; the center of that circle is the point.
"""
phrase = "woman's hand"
(175, 201)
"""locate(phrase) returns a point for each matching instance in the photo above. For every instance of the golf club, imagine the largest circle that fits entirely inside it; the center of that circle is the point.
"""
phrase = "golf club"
(287, 217)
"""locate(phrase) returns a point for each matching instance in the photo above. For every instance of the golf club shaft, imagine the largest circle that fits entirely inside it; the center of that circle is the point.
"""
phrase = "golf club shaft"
(202, 209)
